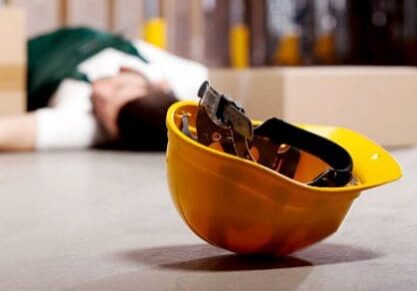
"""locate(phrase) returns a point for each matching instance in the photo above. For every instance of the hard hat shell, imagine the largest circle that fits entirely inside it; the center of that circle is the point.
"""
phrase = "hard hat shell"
(247, 208)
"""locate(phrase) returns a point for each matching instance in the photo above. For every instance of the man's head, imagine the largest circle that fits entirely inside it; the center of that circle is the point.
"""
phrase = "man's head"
(132, 109)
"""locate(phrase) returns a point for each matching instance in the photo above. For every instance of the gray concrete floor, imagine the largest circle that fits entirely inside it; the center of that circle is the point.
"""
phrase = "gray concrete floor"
(105, 221)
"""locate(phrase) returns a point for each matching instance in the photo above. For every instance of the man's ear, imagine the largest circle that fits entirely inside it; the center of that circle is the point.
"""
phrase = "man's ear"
(132, 71)
(128, 70)
(161, 85)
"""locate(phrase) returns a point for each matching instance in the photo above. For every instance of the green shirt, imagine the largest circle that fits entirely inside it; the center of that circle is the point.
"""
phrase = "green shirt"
(55, 56)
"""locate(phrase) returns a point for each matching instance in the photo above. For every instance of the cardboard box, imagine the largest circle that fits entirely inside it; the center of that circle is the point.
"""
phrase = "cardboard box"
(12, 61)
(379, 102)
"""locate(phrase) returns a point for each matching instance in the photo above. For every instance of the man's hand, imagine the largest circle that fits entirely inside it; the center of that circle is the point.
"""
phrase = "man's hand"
(109, 96)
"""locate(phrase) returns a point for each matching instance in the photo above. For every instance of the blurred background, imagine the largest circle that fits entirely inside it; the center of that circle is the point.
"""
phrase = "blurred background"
(352, 56)
(248, 33)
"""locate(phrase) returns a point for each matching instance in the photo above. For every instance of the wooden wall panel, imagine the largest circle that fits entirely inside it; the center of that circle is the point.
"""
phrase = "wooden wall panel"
(92, 13)
(42, 15)
(128, 18)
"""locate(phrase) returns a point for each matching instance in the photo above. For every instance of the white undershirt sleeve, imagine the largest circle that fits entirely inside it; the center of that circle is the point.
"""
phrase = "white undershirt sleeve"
(63, 129)
(183, 76)
(69, 122)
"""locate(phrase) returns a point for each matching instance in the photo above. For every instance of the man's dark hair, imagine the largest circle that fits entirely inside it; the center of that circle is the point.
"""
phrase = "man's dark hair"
(141, 122)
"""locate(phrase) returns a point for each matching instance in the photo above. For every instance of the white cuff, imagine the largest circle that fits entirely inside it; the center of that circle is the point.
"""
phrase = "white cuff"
(63, 129)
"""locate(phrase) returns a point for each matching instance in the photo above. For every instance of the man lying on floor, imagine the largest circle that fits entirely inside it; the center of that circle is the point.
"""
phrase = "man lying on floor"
(88, 88)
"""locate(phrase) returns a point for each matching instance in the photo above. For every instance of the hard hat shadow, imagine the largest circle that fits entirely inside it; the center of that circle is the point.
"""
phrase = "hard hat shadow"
(202, 257)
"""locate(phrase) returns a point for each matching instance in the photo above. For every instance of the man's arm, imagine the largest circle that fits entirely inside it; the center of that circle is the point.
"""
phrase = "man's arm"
(18, 132)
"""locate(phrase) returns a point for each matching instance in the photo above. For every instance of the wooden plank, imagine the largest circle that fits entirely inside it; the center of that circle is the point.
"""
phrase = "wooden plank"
(63, 12)
(111, 12)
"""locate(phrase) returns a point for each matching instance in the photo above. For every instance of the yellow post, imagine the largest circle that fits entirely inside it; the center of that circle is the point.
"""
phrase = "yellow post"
(288, 51)
(238, 36)
(239, 46)
(155, 32)
(155, 25)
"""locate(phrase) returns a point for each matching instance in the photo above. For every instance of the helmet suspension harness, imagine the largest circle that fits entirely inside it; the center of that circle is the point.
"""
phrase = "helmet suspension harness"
(275, 143)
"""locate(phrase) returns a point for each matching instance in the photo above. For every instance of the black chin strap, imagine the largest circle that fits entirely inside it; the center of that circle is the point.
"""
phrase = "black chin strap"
(339, 160)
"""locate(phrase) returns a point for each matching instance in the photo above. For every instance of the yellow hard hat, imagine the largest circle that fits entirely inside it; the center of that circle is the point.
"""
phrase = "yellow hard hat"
(238, 198)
